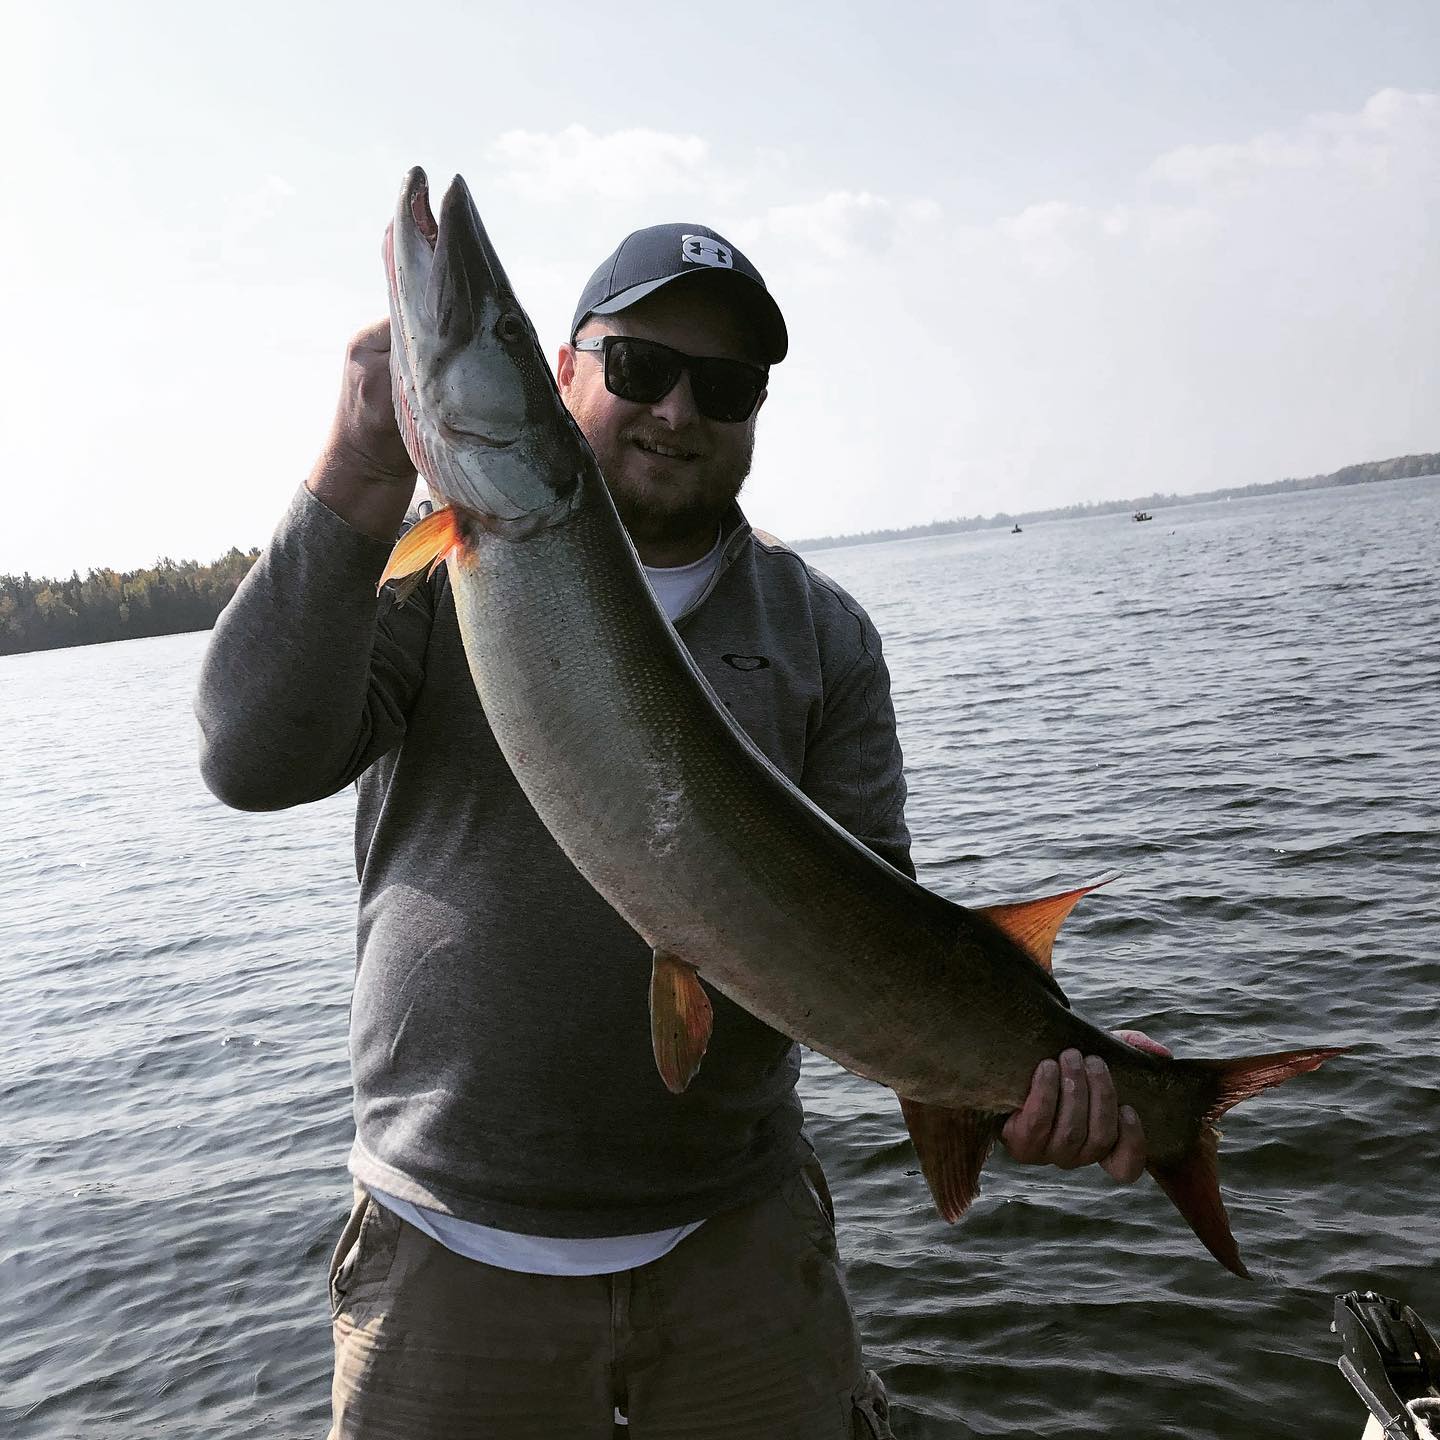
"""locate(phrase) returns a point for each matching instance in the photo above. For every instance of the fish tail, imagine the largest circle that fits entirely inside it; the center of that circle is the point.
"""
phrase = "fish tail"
(1193, 1182)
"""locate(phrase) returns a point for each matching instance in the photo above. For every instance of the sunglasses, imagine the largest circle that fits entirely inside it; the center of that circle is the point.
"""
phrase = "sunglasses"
(644, 371)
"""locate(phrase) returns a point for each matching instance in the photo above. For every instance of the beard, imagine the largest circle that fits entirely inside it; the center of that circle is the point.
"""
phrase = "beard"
(673, 514)
(669, 504)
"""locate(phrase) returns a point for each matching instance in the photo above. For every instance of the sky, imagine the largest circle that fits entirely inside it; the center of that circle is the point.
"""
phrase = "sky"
(1030, 253)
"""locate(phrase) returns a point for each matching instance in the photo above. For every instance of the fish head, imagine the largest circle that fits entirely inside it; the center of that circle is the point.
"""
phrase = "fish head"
(475, 401)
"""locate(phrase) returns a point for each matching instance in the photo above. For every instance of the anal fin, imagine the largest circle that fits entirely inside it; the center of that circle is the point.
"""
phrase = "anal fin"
(680, 1020)
(952, 1146)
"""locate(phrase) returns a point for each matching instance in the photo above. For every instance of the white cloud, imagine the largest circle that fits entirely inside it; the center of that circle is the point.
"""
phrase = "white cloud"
(245, 234)
(1363, 141)
(574, 163)
(835, 226)
(1047, 237)
(260, 203)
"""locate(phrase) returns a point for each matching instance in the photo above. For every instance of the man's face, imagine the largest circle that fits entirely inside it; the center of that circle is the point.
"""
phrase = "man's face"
(672, 471)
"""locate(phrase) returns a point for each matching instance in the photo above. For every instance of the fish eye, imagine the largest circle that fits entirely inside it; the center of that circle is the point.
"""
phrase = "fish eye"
(509, 327)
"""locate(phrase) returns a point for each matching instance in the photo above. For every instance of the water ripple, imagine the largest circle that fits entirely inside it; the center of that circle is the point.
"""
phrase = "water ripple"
(1235, 708)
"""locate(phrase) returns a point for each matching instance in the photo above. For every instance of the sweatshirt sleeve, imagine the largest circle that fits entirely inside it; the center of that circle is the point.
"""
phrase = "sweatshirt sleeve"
(307, 678)
(854, 770)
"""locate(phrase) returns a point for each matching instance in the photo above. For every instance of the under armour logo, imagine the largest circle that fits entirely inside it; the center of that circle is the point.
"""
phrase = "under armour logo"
(704, 250)
(746, 662)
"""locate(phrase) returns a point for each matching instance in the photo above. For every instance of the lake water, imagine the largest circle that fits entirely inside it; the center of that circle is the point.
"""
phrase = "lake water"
(1235, 705)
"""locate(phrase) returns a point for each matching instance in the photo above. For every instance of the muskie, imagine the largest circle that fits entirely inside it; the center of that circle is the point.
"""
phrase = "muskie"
(724, 868)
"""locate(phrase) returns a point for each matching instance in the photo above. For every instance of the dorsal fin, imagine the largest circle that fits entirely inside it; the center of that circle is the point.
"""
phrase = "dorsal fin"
(1034, 924)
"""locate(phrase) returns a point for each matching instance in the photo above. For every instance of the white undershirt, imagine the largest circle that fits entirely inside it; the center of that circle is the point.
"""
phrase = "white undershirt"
(675, 587)
(538, 1254)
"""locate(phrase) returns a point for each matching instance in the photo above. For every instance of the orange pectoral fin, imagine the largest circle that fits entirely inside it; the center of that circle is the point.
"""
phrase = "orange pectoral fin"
(680, 1020)
(426, 544)
(953, 1146)
(1034, 924)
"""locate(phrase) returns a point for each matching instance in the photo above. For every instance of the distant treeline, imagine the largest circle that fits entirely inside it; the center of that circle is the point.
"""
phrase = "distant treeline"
(171, 597)
(1402, 467)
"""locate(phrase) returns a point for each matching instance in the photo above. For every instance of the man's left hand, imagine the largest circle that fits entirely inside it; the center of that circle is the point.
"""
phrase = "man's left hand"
(1071, 1116)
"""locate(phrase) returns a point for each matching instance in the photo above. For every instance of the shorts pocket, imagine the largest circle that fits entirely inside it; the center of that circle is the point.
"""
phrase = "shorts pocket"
(807, 1195)
(363, 1254)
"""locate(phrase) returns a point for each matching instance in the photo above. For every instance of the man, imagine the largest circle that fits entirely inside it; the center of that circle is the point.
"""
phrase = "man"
(546, 1240)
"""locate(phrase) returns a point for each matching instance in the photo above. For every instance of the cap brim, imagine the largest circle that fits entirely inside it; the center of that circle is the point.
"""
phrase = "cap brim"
(769, 322)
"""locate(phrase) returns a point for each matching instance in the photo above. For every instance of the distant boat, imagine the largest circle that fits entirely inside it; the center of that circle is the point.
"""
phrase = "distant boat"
(1143, 515)
(1017, 531)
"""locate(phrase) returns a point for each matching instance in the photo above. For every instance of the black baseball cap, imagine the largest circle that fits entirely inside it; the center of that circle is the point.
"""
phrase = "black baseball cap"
(662, 254)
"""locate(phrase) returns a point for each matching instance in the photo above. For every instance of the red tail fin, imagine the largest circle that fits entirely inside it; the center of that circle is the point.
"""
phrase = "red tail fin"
(1192, 1182)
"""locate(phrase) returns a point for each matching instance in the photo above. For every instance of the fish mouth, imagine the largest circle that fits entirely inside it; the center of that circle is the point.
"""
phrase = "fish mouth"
(458, 270)
(467, 272)
(417, 202)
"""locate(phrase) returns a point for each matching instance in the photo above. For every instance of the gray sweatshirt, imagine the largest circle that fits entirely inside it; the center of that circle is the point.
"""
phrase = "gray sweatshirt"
(499, 1032)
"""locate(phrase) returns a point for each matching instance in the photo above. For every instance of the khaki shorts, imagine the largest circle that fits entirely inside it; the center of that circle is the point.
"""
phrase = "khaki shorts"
(743, 1330)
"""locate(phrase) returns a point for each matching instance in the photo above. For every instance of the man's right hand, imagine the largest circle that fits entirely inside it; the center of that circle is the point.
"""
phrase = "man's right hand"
(364, 474)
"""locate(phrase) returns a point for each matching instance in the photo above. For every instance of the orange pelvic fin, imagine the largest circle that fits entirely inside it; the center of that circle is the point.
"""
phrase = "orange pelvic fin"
(680, 1020)
(428, 543)
(1034, 924)
(952, 1146)
(1192, 1182)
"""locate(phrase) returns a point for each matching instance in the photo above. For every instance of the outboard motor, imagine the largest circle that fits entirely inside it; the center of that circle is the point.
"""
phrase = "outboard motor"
(1390, 1358)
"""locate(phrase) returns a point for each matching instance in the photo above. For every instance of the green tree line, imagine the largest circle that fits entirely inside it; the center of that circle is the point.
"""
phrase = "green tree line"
(170, 597)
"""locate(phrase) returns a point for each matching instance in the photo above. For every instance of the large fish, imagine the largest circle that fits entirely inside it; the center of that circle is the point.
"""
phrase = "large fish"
(723, 867)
